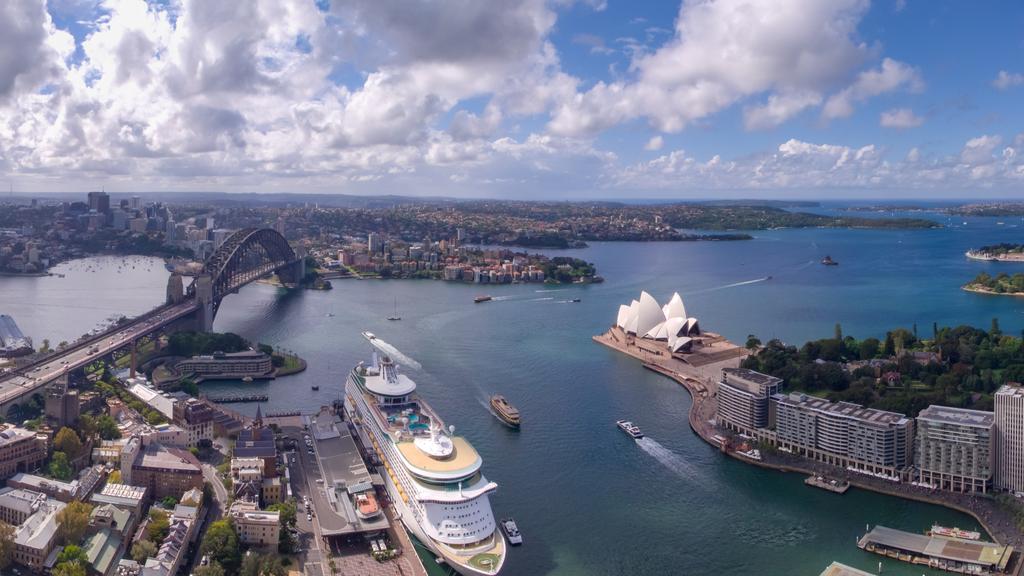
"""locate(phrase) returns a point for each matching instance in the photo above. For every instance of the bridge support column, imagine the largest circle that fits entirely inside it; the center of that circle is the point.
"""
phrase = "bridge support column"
(204, 298)
(133, 358)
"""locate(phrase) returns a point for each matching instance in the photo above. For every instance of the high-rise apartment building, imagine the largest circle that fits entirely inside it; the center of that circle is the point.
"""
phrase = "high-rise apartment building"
(743, 398)
(954, 448)
(1009, 423)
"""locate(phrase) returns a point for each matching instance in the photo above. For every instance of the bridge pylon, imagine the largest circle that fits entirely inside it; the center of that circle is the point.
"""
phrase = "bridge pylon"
(204, 298)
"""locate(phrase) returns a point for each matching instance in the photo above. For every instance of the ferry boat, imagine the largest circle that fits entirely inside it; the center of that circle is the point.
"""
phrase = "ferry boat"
(432, 476)
(505, 412)
(480, 299)
(954, 533)
(508, 526)
(629, 428)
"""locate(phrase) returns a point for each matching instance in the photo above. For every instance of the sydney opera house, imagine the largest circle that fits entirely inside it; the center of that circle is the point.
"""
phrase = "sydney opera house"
(669, 324)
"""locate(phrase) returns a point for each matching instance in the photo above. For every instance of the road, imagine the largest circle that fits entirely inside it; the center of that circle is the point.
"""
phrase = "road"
(304, 473)
(17, 385)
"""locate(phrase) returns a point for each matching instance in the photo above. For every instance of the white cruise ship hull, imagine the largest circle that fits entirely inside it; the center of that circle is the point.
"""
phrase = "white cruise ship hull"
(374, 440)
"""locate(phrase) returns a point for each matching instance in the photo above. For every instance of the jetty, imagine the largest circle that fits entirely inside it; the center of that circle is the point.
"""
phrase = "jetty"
(950, 554)
(238, 399)
(826, 483)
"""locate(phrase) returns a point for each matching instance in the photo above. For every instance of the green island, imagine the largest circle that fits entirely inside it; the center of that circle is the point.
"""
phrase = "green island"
(1002, 284)
(768, 217)
(957, 366)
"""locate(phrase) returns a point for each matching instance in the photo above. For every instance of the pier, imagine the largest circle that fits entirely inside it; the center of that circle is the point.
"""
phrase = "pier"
(238, 399)
(826, 483)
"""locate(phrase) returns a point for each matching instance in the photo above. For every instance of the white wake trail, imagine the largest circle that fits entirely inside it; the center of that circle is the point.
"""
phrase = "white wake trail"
(667, 458)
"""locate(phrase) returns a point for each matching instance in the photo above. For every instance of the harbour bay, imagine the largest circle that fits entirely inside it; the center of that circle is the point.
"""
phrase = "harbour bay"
(590, 500)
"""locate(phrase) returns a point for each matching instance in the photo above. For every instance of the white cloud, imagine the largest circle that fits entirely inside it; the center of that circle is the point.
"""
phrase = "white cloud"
(891, 75)
(900, 118)
(1006, 80)
(655, 143)
(725, 51)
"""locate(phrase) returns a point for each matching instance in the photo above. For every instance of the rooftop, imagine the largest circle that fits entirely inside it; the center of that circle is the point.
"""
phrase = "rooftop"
(846, 409)
(164, 458)
(1011, 389)
(10, 434)
(837, 569)
(959, 416)
(748, 380)
(45, 484)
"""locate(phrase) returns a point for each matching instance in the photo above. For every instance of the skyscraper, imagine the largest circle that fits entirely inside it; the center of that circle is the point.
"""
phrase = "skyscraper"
(99, 201)
(374, 245)
(1009, 408)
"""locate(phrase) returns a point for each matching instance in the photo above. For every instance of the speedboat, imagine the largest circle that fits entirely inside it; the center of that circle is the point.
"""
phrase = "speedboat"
(629, 428)
(508, 526)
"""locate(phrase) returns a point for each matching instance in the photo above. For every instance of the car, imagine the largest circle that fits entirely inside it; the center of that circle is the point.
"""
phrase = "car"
(309, 517)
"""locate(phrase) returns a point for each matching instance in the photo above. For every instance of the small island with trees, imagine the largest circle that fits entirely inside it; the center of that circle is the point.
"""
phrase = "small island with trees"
(1001, 284)
(1004, 252)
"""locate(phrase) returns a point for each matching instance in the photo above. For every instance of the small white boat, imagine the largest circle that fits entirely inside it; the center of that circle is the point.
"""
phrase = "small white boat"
(508, 526)
(629, 428)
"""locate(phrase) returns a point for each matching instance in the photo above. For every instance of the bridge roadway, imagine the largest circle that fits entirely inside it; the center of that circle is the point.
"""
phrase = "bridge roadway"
(26, 381)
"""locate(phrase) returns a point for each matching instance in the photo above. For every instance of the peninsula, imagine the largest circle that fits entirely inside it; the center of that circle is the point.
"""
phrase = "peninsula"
(1005, 252)
(1001, 285)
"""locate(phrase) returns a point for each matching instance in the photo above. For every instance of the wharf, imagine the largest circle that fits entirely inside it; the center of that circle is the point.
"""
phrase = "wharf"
(826, 483)
(236, 399)
(949, 554)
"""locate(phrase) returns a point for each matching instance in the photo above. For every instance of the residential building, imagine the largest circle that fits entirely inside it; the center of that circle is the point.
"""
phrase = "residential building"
(63, 491)
(955, 448)
(843, 434)
(1009, 424)
(255, 527)
(35, 519)
(227, 365)
(166, 471)
(743, 399)
(174, 548)
(21, 450)
(196, 418)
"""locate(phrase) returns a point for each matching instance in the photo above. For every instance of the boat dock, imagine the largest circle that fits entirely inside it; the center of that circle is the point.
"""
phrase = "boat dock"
(238, 399)
(826, 483)
(949, 554)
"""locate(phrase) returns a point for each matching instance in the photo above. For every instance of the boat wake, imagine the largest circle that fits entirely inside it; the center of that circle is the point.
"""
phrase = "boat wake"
(395, 354)
(668, 458)
(546, 290)
(733, 285)
(541, 299)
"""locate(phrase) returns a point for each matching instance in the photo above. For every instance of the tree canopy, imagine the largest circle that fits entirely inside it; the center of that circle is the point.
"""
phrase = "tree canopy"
(73, 521)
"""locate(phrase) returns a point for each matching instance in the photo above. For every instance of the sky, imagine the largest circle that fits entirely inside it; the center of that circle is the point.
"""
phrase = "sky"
(518, 99)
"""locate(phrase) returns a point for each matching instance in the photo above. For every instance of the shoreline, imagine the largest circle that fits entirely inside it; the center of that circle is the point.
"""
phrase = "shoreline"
(700, 407)
(985, 257)
(981, 290)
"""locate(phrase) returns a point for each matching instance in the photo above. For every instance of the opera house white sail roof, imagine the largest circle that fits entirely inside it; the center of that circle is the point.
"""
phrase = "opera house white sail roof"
(669, 323)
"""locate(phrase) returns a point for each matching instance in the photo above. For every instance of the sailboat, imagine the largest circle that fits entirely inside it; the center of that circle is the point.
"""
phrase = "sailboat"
(395, 316)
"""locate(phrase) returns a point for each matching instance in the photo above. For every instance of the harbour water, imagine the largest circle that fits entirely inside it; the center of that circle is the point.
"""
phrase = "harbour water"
(588, 499)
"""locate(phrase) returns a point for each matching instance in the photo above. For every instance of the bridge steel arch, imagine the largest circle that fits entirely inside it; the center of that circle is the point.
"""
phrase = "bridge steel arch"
(246, 255)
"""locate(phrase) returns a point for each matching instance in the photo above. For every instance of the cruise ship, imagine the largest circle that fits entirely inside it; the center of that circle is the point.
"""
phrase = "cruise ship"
(433, 477)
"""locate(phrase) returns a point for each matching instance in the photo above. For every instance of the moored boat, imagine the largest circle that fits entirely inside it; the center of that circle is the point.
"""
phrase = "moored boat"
(511, 530)
(629, 428)
(505, 412)
(954, 533)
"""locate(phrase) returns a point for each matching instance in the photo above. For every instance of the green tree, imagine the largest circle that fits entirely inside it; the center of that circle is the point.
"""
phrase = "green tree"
(72, 553)
(60, 467)
(6, 545)
(68, 442)
(263, 565)
(221, 544)
(868, 348)
(73, 521)
(143, 549)
(114, 478)
(213, 569)
(107, 427)
(69, 569)
(287, 511)
(159, 525)
(87, 426)
(753, 342)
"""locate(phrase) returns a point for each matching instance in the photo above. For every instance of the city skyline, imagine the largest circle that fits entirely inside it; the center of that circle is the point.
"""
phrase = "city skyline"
(526, 100)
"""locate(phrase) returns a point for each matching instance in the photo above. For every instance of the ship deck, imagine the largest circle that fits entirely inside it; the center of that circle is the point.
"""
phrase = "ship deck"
(463, 456)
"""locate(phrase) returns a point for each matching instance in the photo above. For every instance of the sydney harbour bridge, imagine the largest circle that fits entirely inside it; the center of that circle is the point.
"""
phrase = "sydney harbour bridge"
(245, 256)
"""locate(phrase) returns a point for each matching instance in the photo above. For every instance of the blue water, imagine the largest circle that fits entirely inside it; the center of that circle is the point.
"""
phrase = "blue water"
(589, 499)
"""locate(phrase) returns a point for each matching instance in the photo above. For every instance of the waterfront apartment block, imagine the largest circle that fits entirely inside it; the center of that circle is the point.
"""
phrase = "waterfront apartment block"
(843, 434)
(221, 365)
(1009, 421)
(743, 399)
(954, 448)
(21, 450)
